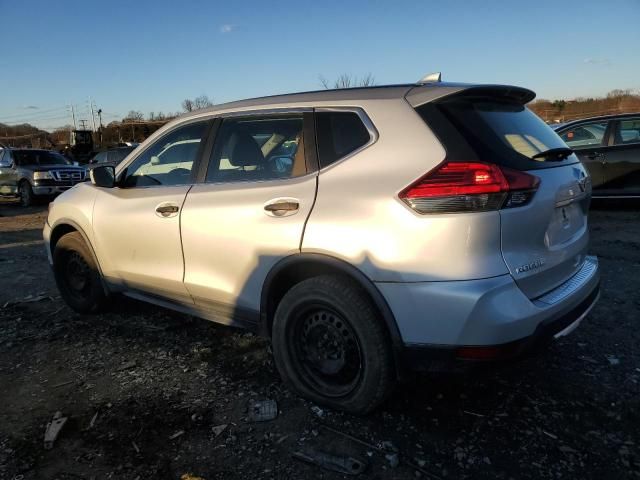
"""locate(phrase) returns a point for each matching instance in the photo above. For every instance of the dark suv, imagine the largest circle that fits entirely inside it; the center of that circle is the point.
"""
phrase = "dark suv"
(30, 173)
(610, 149)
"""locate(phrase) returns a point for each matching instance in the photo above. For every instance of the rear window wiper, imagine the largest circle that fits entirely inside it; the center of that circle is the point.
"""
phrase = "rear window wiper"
(554, 154)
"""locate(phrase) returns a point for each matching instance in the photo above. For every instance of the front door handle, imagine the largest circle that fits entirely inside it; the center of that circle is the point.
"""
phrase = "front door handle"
(167, 210)
(282, 207)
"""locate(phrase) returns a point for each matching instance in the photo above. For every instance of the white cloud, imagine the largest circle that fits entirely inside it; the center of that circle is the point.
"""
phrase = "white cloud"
(227, 28)
(598, 61)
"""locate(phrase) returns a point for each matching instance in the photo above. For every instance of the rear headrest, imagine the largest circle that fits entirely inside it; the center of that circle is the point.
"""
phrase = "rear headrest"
(246, 152)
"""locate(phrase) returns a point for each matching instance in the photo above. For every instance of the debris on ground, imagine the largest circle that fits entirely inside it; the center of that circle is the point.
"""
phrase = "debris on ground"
(263, 410)
(613, 360)
(393, 459)
(126, 366)
(218, 429)
(176, 435)
(336, 463)
(190, 476)
(53, 430)
(320, 413)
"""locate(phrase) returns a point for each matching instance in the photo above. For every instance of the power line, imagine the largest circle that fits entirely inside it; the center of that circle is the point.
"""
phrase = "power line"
(30, 114)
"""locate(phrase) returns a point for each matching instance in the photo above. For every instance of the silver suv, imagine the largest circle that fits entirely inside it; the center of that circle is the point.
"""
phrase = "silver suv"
(366, 231)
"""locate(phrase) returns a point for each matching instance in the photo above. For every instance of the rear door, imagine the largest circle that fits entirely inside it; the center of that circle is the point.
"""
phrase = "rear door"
(589, 141)
(249, 211)
(8, 174)
(622, 159)
(545, 241)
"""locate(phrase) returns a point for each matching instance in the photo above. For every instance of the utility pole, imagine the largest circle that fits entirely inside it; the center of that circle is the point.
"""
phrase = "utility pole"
(93, 118)
(73, 116)
(100, 128)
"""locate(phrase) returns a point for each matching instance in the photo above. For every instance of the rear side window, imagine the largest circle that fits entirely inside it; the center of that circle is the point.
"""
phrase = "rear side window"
(502, 132)
(585, 135)
(338, 134)
(628, 132)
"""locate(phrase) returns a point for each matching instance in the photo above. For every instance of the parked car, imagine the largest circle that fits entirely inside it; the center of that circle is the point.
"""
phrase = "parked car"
(31, 174)
(111, 156)
(365, 231)
(609, 147)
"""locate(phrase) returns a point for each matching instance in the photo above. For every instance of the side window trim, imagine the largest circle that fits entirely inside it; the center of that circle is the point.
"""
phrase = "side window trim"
(373, 132)
(607, 137)
(122, 167)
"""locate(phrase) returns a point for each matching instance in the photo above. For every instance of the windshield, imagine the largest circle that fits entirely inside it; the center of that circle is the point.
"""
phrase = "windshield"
(39, 157)
(507, 132)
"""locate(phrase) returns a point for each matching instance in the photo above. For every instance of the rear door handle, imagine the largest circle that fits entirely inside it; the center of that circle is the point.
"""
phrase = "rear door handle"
(282, 207)
(167, 210)
(595, 155)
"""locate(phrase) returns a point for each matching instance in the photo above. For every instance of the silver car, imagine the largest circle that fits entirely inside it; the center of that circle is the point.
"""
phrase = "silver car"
(366, 231)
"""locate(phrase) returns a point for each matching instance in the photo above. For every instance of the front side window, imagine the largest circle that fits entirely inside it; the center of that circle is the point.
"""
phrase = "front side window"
(258, 148)
(339, 134)
(585, 135)
(100, 157)
(168, 161)
(629, 132)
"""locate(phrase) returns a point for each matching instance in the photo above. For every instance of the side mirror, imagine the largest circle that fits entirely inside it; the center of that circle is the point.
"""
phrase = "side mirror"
(103, 176)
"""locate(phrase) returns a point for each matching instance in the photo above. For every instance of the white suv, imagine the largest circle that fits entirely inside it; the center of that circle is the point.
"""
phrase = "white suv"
(366, 231)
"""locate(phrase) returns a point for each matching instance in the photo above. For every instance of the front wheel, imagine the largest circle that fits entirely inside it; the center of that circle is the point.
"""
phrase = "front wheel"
(27, 197)
(330, 345)
(77, 276)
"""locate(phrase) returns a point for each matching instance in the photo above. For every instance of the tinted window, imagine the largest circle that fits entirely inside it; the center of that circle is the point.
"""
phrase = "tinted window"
(38, 157)
(258, 148)
(168, 161)
(119, 154)
(100, 157)
(585, 135)
(498, 131)
(338, 134)
(629, 132)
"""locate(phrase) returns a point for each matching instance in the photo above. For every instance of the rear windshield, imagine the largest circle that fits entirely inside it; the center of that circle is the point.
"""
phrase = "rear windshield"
(503, 132)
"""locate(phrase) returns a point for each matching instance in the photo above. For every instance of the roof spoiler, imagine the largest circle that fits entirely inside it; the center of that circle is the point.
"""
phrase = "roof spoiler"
(429, 92)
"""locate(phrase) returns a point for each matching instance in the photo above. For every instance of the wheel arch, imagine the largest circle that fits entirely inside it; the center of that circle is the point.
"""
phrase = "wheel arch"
(296, 268)
(64, 226)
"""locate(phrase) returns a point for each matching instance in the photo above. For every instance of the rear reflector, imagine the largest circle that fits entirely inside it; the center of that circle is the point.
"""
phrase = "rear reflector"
(469, 187)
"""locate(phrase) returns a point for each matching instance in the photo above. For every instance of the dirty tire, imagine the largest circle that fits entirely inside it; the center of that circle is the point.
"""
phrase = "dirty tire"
(77, 275)
(27, 197)
(330, 345)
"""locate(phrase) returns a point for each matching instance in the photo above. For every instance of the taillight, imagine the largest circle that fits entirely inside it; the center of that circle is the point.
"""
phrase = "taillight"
(469, 187)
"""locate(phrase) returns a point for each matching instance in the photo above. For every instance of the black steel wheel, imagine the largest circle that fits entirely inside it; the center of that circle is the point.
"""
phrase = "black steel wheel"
(76, 273)
(331, 346)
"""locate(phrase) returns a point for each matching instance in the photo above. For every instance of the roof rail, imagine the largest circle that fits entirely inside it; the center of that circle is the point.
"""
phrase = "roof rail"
(435, 77)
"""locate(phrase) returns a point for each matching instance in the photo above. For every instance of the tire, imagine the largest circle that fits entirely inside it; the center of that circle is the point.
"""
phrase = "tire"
(77, 275)
(330, 345)
(27, 197)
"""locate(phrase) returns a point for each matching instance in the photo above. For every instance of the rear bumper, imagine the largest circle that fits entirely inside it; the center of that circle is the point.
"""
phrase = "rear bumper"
(485, 319)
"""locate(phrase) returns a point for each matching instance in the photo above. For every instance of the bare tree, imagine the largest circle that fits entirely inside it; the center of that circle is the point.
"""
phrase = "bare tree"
(202, 102)
(187, 105)
(134, 116)
(346, 80)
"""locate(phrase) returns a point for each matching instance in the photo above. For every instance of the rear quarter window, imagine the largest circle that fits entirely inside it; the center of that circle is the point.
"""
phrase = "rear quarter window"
(338, 134)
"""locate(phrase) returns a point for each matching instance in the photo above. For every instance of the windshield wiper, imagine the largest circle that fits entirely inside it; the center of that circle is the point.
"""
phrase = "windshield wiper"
(554, 154)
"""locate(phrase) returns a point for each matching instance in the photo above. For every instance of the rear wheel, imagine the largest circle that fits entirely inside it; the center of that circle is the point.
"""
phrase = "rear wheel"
(330, 345)
(27, 197)
(77, 275)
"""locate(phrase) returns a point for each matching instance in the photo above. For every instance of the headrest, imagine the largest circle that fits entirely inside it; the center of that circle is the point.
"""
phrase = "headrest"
(246, 152)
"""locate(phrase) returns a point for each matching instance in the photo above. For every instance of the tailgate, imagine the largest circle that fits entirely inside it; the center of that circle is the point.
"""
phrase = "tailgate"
(545, 242)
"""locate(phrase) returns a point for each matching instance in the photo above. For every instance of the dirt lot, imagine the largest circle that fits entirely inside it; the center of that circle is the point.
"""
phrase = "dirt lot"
(144, 389)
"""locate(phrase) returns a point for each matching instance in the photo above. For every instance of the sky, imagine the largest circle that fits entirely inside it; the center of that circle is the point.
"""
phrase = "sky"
(150, 55)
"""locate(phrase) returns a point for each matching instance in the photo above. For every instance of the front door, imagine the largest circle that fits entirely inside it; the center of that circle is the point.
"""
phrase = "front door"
(137, 223)
(588, 140)
(249, 212)
(8, 174)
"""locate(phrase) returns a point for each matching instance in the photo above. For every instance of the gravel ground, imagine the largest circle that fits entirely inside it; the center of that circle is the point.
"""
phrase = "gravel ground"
(150, 394)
